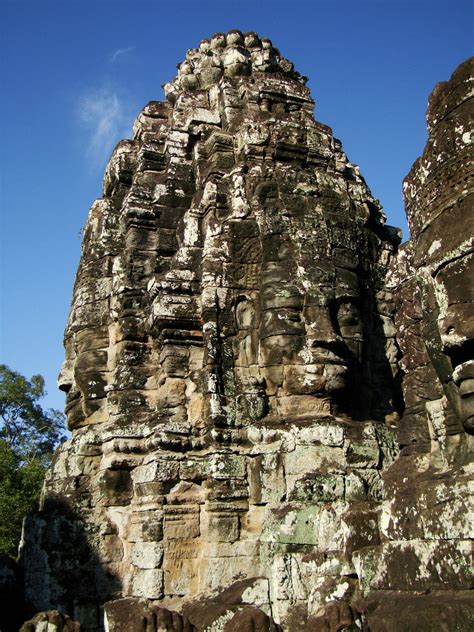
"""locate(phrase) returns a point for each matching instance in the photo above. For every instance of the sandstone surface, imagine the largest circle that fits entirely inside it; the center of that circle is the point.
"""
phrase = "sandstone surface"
(270, 401)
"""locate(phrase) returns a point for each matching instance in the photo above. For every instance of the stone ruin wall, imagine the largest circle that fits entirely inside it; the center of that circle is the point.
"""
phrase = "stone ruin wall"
(427, 512)
(263, 417)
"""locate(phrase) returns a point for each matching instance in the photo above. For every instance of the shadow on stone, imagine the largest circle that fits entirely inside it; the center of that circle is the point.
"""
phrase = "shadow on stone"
(72, 577)
(12, 605)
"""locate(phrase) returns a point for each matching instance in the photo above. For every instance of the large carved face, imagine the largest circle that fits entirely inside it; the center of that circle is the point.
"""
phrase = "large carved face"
(453, 290)
(314, 343)
(304, 316)
(83, 375)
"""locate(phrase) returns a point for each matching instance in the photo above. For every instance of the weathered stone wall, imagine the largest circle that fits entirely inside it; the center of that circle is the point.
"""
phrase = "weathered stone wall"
(426, 519)
(233, 379)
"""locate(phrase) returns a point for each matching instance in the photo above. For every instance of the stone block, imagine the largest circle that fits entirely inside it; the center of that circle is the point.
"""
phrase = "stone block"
(220, 573)
(193, 469)
(148, 583)
(146, 527)
(156, 470)
(225, 466)
(272, 478)
(220, 527)
(296, 523)
(146, 555)
(362, 529)
(317, 488)
(181, 522)
(355, 488)
(363, 454)
(111, 549)
(150, 492)
(326, 432)
(116, 487)
(311, 458)
(294, 406)
(257, 594)
(180, 576)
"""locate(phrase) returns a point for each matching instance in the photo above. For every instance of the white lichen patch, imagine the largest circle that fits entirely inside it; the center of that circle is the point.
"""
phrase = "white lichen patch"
(191, 230)
(219, 624)
(289, 524)
(257, 594)
(339, 592)
(436, 245)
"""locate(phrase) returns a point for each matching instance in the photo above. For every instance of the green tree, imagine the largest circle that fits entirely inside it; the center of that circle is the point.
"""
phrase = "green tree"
(28, 437)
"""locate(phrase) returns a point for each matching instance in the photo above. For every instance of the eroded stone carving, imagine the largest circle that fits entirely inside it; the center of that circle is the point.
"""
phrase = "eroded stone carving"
(232, 376)
(51, 621)
(440, 219)
(426, 514)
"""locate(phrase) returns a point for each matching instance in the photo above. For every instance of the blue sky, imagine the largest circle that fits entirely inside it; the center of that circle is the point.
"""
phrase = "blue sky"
(76, 73)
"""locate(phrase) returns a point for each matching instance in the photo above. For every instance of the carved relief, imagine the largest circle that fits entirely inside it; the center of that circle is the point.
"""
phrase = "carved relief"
(231, 365)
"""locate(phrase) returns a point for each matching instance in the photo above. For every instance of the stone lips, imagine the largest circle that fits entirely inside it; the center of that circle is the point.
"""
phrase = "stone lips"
(234, 377)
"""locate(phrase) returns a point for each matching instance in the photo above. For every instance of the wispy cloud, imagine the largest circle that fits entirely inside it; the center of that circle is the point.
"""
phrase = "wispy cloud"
(120, 52)
(103, 115)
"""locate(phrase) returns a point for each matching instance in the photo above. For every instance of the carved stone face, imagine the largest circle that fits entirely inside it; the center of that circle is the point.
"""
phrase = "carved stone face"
(454, 293)
(438, 192)
(83, 375)
(67, 383)
(319, 324)
(301, 348)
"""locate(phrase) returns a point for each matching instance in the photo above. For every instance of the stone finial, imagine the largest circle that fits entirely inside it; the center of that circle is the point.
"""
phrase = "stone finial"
(233, 55)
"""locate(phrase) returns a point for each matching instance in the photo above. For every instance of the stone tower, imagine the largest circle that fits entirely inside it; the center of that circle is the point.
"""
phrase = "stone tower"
(232, 377)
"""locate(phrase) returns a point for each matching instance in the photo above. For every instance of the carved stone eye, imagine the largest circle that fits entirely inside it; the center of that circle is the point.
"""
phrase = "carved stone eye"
(348, 314)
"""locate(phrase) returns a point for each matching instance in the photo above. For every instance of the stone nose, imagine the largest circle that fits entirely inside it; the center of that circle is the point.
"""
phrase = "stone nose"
(320, 328)
(65, 379)
(457, 326)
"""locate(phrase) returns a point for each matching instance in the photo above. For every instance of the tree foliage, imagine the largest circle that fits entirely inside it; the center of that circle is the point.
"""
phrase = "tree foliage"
(28, 437)
(30, 432)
